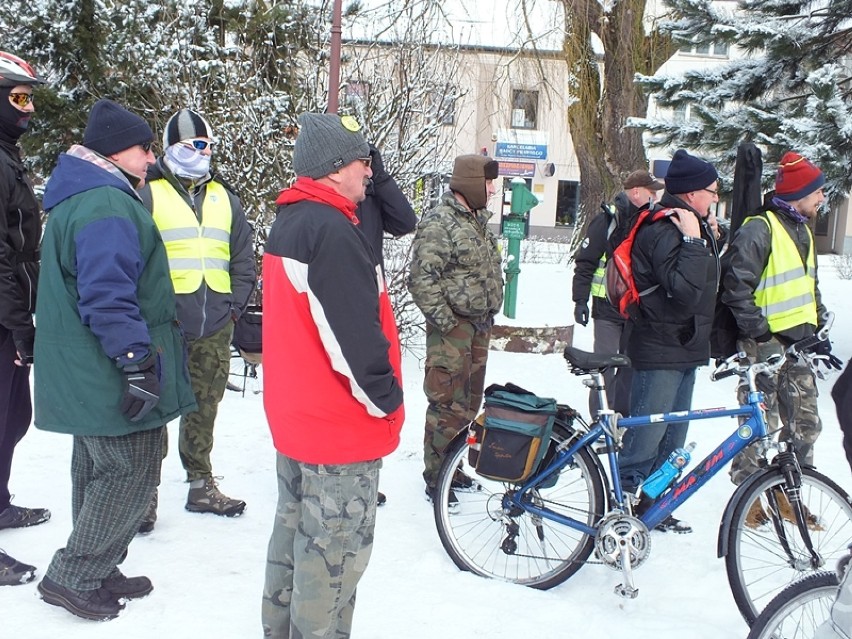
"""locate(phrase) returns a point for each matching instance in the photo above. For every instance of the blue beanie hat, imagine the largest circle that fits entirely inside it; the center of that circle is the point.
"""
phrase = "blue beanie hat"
(112, 128)
(687, 174)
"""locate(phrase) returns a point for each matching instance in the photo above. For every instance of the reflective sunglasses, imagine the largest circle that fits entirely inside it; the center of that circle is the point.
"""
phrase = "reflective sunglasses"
(199, 145)
(20, 100)
(368, 161)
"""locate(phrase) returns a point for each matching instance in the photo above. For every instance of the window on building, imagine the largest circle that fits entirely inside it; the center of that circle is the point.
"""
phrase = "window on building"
(567, 202)
(713, 50)
(357, 95)
(524, 109)
(442, 105)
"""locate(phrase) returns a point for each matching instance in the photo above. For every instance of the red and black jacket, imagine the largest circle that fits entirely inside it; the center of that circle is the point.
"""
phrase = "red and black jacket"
(331, 356)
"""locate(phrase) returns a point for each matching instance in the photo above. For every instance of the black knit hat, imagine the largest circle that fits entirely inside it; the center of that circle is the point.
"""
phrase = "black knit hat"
(186, 125)
(469, 175)
(688, 173)
(112, 128)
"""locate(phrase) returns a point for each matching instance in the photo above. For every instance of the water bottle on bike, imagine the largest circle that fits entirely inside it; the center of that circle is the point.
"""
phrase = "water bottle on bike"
(663, 477)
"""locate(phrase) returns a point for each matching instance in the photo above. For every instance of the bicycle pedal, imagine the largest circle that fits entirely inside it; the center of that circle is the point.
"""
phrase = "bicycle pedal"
(626, 592)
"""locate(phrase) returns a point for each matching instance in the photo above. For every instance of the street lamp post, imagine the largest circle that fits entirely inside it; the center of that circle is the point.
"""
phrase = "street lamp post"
(334, 62)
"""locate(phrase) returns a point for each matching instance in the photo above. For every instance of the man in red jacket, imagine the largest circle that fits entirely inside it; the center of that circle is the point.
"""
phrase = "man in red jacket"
(332, 383)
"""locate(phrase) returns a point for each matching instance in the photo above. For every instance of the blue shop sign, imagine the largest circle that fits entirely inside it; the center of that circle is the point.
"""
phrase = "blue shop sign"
(520, 151)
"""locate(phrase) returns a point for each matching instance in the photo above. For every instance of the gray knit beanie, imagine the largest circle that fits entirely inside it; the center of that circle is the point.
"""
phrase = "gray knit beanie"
(186, 125)
(326, 143)
(469, 175)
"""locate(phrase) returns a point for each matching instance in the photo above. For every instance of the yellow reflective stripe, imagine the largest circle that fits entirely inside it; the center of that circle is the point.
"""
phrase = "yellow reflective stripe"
(197, 251)
(786, 292)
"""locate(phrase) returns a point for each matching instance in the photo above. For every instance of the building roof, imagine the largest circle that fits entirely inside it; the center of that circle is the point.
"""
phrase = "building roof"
(502, 24)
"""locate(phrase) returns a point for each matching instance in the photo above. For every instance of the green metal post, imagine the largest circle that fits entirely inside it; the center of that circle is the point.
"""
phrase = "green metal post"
(514, 230)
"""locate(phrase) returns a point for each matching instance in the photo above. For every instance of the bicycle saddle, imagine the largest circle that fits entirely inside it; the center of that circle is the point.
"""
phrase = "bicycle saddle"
(594, 361)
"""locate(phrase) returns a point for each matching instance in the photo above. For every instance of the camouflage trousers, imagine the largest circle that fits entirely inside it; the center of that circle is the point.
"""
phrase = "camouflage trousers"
(454, 384)
(790, 397)
(209, 362)
(320, 546)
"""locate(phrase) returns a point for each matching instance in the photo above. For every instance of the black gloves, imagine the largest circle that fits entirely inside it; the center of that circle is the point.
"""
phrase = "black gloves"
(581, 313)
(25, 350)
(143, 388)
(829, 361)
(763, 338)
(378, 166)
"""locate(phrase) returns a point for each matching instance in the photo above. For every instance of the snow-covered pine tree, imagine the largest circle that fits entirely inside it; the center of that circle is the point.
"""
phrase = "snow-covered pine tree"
(790, 90)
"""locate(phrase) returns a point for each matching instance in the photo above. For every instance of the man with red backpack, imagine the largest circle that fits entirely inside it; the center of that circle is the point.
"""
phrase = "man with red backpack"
(606, 231)
(676, 264)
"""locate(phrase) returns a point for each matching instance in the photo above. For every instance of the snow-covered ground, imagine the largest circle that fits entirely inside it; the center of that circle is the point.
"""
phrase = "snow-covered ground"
(208, 571)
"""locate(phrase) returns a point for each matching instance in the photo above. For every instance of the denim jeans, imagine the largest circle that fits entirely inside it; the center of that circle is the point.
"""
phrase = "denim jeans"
(646, 447)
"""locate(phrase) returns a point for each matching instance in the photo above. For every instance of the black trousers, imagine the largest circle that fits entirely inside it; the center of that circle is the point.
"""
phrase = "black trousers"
(16, 409)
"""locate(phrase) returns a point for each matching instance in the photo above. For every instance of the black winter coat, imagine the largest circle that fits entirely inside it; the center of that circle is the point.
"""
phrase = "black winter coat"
(673, 327)
(605, 232)
(384, 210)
(20, 235)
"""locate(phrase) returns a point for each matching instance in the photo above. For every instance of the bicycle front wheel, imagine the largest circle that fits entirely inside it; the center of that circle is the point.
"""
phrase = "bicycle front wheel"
(798, 610)
(483, 537)
(766, 551)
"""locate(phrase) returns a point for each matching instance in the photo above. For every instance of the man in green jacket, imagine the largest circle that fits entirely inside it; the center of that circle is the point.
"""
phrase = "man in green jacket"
(111, 367)
(455, 280)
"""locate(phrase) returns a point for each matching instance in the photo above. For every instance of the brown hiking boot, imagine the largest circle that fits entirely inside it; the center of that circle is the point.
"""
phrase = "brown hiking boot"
(756, 516)
(146, 525)
(785, 509)
(204, 497)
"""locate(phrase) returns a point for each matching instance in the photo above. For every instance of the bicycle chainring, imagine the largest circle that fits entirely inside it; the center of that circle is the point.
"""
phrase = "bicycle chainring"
(616, 531)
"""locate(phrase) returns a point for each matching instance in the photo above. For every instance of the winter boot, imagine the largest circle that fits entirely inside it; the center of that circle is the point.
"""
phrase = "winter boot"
(204, 497)
(756, 516)
(785, 509)
(127, 587)
(97, 605)
(18, 517)
(675, 525)
(452, 501)
(381, 499)
(14, 572)
(146, 525)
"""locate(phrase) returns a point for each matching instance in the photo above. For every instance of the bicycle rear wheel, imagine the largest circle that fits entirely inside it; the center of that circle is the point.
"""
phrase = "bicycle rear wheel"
(758, 563)
(798, 610)
(484, 538)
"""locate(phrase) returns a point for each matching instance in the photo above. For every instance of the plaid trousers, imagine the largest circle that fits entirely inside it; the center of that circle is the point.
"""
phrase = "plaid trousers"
(113, 479)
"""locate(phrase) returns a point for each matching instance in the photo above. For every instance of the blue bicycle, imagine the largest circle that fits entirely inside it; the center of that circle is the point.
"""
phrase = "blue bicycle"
(783, 523)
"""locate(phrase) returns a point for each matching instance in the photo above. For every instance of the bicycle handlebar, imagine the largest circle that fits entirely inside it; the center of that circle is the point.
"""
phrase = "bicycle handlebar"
(737, 364)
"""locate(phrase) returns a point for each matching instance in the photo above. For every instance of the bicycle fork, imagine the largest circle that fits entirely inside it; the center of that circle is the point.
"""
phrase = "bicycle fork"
(789, 466)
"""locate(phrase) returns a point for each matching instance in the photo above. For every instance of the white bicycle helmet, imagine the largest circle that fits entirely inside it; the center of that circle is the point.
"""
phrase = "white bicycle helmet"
(14, 71)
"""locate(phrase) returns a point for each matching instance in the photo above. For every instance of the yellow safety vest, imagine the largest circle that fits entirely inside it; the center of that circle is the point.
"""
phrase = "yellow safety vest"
(787, 289)
(197, 251)
(599, 279)
(599, 276)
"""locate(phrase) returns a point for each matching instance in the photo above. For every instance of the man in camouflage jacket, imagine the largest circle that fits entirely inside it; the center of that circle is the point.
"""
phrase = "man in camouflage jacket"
(455, 280)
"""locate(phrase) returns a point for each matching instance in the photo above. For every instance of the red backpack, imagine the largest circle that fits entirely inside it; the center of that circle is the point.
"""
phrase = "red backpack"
(621, 288)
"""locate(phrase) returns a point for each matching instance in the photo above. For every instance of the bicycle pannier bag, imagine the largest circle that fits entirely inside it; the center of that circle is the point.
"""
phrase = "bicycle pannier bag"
(248, 332)
(512, 439)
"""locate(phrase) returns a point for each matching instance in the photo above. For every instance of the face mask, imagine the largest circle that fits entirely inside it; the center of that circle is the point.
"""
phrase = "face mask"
(186, 162)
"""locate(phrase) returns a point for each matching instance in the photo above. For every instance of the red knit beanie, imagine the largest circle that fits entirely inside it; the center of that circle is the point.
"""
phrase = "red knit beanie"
(796, 177)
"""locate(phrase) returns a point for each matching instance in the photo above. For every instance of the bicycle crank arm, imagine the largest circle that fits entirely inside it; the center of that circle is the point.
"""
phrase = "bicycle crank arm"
(628, 589)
